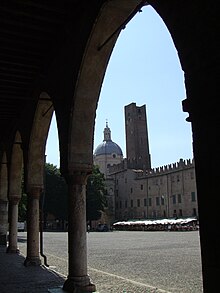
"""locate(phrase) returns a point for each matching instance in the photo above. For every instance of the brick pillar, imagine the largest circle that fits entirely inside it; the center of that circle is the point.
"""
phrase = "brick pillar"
(13, 220)
(78, 278)
(33, 257)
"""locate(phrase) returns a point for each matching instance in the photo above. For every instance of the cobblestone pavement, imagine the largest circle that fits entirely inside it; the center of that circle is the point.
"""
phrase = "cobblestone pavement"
(134, 262)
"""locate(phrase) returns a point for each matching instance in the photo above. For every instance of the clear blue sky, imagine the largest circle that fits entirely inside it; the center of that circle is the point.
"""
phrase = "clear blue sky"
(144, 68)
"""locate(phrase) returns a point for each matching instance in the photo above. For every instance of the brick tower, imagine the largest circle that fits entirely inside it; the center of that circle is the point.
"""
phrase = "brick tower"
(137, 145)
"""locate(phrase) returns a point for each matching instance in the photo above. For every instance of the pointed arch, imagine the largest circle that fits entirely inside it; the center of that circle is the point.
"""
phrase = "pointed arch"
(16, 166)
(91, 74)
(38, 139)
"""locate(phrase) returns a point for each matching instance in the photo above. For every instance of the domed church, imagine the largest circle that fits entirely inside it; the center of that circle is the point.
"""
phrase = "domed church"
(107, 153)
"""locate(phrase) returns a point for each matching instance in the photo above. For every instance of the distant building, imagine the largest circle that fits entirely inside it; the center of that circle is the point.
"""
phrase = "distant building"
(135, 190)
(107, 153)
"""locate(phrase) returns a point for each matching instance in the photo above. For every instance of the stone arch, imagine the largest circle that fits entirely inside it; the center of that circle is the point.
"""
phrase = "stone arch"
(91, 74)
(16, 165)
(3, 200)
(37, 144)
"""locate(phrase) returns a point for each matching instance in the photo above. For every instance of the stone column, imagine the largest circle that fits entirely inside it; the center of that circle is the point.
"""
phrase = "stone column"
(13, 220)
(78, 279)
(33, 258)
(3, 221)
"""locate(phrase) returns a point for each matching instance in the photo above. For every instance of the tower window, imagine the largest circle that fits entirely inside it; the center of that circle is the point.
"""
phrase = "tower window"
(193, 196)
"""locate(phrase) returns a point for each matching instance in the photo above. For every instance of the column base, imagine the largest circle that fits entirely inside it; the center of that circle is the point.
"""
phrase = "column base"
(33, 261)
(79, 285)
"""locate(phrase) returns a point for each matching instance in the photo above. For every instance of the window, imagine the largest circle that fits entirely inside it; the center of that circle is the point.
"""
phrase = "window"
(192, 175)
(193, 196)
(131, 203)
(178, 178)
(125, 180)
(150, 202)
(145, 202)
(174, 199)
(131, 190)
(180, 212)
(157, 201)
(138, 202)
(142, 187)
(179, 198)
(120, 204)
(162, 200)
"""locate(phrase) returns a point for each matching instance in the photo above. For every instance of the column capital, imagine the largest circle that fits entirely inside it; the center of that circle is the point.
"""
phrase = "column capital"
(14, 198)
(34, 191)
(3, 201)
(78, 173)
(77, 177)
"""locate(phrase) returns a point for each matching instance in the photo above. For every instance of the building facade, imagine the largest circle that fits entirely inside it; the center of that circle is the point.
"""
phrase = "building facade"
(165, 192)
(137, 191)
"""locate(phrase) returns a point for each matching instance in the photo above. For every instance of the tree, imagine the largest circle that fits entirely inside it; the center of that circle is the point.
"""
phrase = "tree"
(95, 195)
(22, 206)
(55, 198)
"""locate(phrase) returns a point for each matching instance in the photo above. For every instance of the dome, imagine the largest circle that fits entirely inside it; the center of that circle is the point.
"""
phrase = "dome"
(108, 148)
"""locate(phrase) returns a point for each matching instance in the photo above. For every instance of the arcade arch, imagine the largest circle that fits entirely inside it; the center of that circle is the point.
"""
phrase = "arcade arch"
(14, 192)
